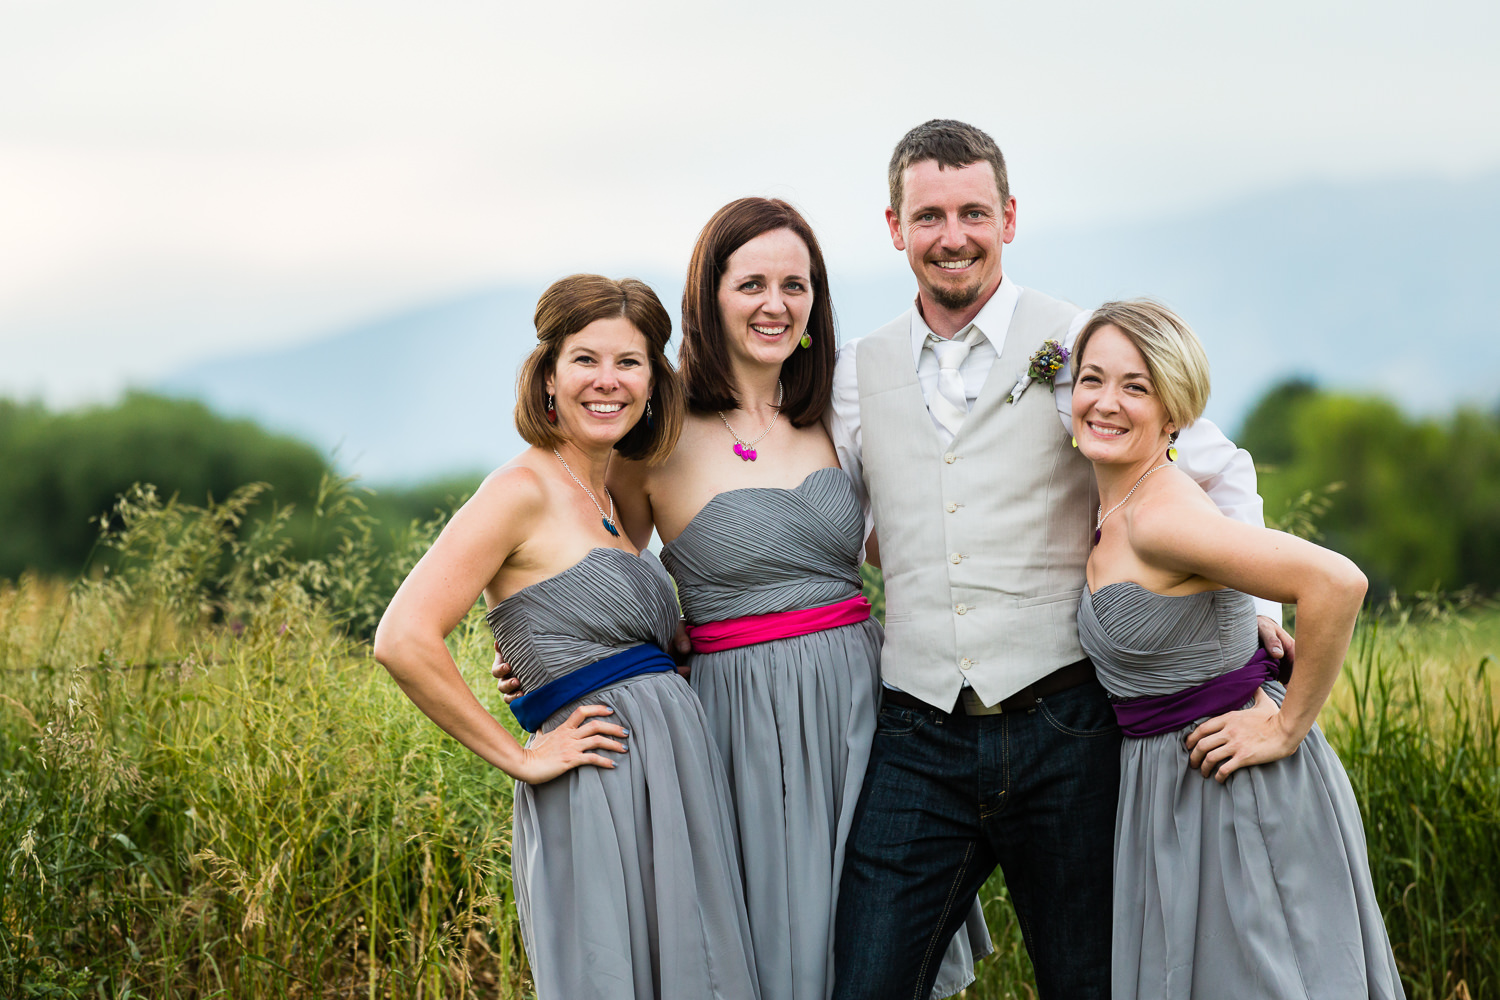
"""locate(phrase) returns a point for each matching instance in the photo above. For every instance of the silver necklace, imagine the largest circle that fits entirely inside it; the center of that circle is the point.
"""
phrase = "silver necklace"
(607, 519)
(746, 449)
(1104, 514)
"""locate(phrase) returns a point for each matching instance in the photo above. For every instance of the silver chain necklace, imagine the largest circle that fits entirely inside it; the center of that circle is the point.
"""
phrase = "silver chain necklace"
(746, 449)
(607, 519)
(1104, 515)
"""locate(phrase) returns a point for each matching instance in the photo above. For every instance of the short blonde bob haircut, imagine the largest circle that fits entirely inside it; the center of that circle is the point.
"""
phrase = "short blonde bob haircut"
(565, 308)
(1174, 356)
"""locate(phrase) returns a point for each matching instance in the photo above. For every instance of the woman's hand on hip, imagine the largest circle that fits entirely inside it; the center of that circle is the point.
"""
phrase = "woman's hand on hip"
(573, 744)
(1228, 742)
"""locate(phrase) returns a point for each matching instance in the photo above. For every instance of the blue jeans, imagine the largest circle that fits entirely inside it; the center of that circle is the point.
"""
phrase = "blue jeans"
(947, 798)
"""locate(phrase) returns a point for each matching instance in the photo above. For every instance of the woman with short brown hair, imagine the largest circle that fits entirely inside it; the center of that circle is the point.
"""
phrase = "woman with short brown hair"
(626, 871)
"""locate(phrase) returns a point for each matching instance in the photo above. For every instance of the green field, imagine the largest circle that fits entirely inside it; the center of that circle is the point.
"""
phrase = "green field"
(209, 789)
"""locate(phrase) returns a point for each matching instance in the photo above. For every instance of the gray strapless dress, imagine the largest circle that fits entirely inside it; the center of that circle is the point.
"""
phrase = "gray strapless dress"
(1259, 887)
(792, 718)
(627, 880)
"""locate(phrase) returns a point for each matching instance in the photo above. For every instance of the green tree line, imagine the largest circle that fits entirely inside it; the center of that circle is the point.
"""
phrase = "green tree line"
(60, 472)
(1414, 501)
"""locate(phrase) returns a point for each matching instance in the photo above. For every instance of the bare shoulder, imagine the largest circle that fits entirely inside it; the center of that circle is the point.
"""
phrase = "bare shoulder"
(1169, 504)
(628, 474)
(699, 432)
(514, 492)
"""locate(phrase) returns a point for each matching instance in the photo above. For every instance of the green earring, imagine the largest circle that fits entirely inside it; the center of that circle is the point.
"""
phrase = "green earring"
(806, 340)
(1075, 442)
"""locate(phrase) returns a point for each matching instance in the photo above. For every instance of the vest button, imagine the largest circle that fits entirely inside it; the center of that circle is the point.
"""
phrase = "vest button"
(956, 558)
(962, 609)
(950, 507)
(950, 458)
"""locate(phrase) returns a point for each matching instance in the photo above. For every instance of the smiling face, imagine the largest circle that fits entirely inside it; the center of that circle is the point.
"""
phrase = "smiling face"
(601, 382)
(952, 226)
(1117, 416)
(765, 298)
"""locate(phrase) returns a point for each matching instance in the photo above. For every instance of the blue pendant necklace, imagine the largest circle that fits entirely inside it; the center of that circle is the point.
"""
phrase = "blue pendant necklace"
(607, 519)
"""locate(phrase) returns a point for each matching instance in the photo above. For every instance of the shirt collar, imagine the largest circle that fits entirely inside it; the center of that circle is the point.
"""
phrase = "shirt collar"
(993, 319)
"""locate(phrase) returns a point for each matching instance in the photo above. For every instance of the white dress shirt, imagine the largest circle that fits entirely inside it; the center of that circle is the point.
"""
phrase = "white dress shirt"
(1225, 472)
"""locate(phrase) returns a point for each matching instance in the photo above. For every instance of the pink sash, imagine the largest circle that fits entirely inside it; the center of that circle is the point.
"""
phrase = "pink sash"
(747, 631)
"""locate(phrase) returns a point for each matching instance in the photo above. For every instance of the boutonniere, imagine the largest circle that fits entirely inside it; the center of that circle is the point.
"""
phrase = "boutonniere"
(1045, 364)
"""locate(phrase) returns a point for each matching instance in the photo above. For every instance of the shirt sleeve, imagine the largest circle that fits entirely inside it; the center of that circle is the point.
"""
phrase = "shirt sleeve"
(842, 422)
(1225, 472)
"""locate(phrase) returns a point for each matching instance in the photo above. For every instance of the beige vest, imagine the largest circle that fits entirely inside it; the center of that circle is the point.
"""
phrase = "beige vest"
(983, 543)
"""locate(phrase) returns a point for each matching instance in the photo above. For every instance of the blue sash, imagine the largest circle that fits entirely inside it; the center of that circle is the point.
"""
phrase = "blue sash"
(536, 707)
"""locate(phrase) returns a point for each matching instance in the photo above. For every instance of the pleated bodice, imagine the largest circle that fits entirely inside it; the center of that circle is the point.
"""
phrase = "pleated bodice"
(758, 551)
(1144, 643)
(606, 602)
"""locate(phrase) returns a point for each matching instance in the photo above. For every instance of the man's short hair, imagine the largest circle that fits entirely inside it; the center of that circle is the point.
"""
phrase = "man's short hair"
(953, 145)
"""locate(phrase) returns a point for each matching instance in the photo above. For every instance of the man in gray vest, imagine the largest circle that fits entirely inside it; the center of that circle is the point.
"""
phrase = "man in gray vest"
(996, 744)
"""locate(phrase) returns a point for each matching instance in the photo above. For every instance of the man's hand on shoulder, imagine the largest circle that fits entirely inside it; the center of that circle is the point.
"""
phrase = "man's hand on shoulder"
(1276, 640)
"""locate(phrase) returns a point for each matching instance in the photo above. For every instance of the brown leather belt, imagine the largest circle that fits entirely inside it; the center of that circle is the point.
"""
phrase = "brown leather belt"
(1023, 700)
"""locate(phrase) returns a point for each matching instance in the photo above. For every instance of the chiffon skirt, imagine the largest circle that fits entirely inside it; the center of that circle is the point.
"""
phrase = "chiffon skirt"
(1256, 888)
(627, 880)
(793, 720)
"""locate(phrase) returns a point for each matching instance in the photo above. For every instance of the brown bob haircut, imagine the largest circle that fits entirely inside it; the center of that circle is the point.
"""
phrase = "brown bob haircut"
(953, 145)
(806, 376)
(565, 308)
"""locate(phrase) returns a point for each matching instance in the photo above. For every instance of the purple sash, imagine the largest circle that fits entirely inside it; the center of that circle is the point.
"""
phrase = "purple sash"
(1155, 714)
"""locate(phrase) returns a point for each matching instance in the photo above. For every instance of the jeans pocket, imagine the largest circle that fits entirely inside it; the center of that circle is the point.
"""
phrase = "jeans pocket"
(897, 720)
(1081, 711)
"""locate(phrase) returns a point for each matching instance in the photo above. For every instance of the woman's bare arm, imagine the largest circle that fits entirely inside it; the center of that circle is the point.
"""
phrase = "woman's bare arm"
(435, 597)
(1177, 532)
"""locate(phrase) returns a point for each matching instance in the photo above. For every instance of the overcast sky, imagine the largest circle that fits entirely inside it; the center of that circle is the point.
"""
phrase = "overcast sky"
(183, 179)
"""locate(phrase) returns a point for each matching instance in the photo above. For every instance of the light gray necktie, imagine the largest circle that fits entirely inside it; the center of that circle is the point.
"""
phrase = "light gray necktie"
(951, 403)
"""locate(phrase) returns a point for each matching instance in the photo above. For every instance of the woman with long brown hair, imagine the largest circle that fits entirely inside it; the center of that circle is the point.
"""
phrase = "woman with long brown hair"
(763, 533)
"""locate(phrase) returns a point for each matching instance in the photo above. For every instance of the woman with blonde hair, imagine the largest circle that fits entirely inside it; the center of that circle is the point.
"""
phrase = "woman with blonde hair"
(626, 870)
(1240, 867)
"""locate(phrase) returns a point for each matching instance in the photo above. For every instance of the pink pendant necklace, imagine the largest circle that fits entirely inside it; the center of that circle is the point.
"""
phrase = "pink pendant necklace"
(746, 449)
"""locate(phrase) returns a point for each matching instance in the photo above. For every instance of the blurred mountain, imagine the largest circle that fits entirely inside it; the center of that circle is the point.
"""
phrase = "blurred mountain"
(1381, 287)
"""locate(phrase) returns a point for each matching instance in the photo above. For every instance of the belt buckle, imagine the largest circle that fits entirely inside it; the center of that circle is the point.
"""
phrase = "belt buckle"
(974, 705)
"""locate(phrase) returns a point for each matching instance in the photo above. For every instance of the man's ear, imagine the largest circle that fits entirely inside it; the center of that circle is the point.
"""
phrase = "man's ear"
(893, 221)
(1008, 221)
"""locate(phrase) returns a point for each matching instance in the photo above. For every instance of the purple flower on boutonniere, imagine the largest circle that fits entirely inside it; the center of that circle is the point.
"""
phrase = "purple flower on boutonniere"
(1045, 364)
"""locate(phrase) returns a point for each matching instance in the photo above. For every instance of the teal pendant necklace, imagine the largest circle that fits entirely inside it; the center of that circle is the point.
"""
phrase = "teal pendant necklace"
(608, 520)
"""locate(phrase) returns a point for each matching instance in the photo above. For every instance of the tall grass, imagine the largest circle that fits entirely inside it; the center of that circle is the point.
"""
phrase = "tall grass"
(1416, 725)
(209, 789)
